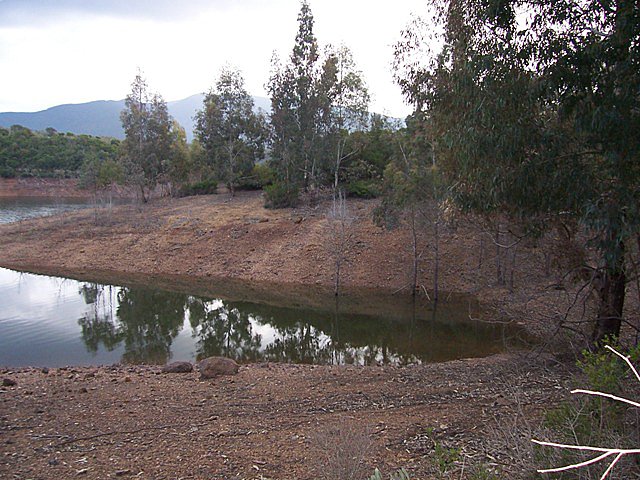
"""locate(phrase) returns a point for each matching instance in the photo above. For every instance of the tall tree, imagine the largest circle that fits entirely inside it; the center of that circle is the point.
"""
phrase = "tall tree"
(315, 100)
(232, 134)
(294, 106)
(344, 104)
(147, 126)
(536, 109)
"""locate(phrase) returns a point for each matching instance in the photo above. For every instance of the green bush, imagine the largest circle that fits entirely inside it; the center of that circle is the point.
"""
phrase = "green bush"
(364, 189)
(206, 187)
(7, 172)
(260, 177)
(280, 195)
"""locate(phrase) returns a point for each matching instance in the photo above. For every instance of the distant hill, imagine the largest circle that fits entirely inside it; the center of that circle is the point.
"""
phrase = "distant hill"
(102, 118)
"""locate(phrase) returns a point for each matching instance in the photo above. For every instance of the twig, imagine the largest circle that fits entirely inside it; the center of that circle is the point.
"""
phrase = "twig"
(122, 432)
(606, 452)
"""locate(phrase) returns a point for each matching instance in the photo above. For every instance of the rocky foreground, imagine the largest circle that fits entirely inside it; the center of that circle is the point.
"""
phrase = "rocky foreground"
(269, 420)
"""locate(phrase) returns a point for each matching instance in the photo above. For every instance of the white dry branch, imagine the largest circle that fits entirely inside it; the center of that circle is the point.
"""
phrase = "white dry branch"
(605, 452)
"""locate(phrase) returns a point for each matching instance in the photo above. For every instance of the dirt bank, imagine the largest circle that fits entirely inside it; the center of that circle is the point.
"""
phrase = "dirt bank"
(270, 421)
(215, 238)
(42, 187)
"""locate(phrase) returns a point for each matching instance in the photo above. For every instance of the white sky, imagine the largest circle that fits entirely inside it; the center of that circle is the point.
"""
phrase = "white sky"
(73, 51)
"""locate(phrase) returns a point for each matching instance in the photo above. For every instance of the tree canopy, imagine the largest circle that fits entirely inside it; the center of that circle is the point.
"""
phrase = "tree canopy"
(534, 109)
(232, 134)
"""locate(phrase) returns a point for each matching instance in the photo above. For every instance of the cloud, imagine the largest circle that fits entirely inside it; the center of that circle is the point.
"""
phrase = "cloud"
(33, 12)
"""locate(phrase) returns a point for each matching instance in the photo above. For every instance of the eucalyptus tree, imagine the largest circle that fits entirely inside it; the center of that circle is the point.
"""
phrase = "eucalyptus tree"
(232, 134)
(316, 98)
(147, 126)
(536, 110)
(344, 106)
(294, 106)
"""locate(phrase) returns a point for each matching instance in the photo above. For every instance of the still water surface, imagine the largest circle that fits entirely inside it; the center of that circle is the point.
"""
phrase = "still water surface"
(53, 321)
(15, 209)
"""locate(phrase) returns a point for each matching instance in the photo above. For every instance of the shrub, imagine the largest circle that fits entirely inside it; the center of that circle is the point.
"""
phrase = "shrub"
(206, 187)
(364, 189)
(280, 195)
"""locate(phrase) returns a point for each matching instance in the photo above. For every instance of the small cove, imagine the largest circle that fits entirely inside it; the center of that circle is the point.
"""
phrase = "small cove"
(55, 321)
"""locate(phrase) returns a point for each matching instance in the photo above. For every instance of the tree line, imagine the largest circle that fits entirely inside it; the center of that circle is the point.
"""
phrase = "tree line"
(51, 154)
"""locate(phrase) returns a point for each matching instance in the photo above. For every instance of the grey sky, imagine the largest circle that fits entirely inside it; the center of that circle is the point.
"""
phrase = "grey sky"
(72, 51)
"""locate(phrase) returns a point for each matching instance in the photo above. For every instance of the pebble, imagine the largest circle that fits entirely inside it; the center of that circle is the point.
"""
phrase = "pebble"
(8, 382)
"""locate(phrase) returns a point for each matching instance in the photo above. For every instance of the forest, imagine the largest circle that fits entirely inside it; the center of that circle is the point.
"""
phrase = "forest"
(24, 153)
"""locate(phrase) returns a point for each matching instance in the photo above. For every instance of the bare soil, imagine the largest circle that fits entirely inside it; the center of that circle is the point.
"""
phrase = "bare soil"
(269, 421)
(119, 421)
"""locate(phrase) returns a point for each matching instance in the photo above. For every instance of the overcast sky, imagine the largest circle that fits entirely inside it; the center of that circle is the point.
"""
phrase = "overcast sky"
(72, 51)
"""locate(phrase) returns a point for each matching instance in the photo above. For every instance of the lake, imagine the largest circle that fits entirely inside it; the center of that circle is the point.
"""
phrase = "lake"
(14, 209)
(54, 321)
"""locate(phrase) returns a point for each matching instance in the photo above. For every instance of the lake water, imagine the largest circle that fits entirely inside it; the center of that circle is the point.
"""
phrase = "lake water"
(53, 321)
(15, 209)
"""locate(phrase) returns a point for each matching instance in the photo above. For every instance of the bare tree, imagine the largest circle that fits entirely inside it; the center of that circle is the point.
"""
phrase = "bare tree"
(340, 226)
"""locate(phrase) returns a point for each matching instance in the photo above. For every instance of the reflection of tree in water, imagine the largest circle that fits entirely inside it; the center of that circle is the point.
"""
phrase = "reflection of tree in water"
(98, 324)
(149, 321)
(299, 343)
(223, 330)
(146, 321)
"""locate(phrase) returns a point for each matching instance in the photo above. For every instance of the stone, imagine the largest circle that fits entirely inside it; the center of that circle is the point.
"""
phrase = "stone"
(7, 382)
(215, 366)
(178, 367)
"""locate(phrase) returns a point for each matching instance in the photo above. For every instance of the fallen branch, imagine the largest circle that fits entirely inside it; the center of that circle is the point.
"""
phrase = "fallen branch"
(123, 432)
(605, 452)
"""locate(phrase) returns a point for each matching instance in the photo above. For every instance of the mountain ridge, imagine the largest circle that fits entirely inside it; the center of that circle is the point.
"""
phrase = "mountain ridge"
(101, 118)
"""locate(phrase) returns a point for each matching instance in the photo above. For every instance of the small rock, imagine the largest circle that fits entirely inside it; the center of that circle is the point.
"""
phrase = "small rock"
(53, 462)
(45, 370)
(127, 379)
(214, 366)
(8, 382)
(121, 473)
(178, 367)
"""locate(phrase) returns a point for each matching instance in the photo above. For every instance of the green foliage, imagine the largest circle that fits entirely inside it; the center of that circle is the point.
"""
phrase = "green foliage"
(204, 187)
(535, 113)
(232, 135)
(280, 195)
(316, 101)
(261, 176)
(364, 189)
(149, 144)
(588, 420)
(98, 174)
(50, 154)
(444, 458)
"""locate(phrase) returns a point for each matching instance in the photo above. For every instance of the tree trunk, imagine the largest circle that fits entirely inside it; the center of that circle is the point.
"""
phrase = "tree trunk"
(611, 297)
(416, 258)
(436, 246)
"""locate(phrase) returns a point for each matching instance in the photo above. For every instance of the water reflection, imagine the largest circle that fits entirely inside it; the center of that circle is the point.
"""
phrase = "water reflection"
(145, 325)
(146, 322)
